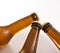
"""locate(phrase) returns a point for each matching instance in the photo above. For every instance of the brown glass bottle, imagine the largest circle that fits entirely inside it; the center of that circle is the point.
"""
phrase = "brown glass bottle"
(6, 32)
(30, 45)
(52, 33)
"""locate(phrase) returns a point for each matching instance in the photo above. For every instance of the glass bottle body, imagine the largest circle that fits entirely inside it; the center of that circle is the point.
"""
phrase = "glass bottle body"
(30, 45)
(53, 34)
(7, 32)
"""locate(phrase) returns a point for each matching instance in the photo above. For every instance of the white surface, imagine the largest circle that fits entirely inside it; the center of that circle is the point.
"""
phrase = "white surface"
(47, 10)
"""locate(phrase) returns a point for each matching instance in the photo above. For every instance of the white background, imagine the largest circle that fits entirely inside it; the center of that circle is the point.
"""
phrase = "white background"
(13, 10)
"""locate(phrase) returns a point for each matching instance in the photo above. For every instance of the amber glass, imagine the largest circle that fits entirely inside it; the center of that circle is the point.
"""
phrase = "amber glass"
(6, 32)
(53, 34)
(30, 45)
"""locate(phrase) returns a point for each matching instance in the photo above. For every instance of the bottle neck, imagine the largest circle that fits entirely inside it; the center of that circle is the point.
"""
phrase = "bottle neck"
(51, 30)
(54, 35)
(31, 41)
(20, 24)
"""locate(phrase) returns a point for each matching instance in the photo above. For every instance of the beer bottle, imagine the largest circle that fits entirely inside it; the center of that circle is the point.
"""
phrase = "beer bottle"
(52, 33)
(30, 45)
(7, 32)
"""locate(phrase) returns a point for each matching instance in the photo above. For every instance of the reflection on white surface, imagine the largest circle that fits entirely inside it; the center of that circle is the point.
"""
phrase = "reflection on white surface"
(6, 49)
(47, 10)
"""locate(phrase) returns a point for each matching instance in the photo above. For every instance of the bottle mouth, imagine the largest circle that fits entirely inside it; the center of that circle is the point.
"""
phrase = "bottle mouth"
(36, 24)
(35, 17)
(45, 26)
